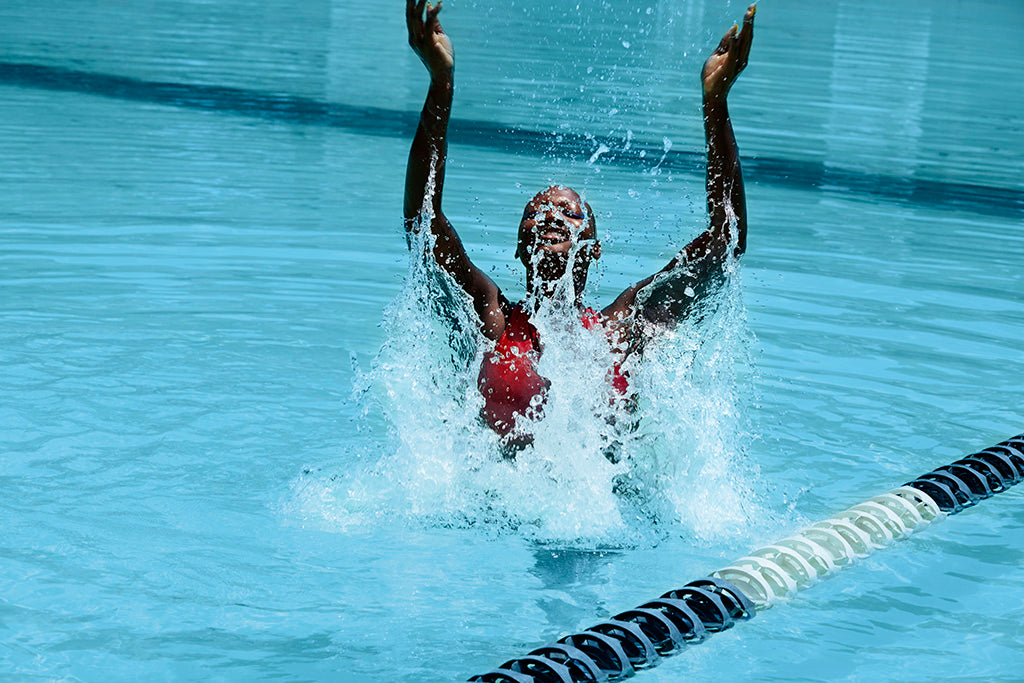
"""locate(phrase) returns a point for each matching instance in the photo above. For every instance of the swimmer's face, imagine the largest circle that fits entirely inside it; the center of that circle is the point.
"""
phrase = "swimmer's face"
(554, 223)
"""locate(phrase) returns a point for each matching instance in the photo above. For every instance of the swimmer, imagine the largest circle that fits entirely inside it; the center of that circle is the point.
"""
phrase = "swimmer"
(558, 236)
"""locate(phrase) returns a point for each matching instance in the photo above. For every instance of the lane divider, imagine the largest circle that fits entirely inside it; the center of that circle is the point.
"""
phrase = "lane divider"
(639, 638)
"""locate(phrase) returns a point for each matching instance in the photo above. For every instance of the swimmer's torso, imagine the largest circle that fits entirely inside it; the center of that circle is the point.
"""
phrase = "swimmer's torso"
(508, 379)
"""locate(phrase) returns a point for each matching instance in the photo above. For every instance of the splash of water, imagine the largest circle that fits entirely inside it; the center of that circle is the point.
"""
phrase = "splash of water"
(594, 475)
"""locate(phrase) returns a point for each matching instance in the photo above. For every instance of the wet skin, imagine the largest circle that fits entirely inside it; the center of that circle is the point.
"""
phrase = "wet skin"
(558, 227)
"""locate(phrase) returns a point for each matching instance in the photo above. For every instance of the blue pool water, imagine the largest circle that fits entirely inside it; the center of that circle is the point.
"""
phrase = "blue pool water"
(233, 449)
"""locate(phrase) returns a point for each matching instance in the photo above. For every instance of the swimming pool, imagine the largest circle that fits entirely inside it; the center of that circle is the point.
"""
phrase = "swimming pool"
(204, 475)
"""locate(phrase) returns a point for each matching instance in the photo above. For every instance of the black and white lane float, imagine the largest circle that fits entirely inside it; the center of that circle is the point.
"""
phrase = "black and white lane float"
(640, 637)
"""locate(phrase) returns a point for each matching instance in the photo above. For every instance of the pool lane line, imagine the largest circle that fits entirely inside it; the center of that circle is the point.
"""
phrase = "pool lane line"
(639, 638)
(382, 122)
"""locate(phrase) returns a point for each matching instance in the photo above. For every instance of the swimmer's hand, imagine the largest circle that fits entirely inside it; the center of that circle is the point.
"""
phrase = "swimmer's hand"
(428, 39)
(728, 59)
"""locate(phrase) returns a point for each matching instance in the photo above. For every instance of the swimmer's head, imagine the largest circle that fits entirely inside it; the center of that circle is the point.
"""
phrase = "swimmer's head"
(557, 225)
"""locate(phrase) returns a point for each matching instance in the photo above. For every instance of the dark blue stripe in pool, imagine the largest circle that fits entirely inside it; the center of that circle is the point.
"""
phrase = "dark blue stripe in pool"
(377, 121)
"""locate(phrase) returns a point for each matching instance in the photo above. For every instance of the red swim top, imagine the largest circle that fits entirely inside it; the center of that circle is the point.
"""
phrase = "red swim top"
(508, 379)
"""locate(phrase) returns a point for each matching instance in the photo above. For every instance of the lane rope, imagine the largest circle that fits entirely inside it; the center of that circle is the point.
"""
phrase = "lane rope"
(640, 637)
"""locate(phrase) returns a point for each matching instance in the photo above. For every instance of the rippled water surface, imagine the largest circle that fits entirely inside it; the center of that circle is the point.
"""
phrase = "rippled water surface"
(234, 447)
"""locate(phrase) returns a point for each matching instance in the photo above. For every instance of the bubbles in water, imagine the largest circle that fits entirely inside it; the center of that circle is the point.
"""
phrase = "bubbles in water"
(601, 149)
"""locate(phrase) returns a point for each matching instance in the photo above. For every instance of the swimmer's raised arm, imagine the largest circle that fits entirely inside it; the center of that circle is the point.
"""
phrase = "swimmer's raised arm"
(673, 290)
(427, 161)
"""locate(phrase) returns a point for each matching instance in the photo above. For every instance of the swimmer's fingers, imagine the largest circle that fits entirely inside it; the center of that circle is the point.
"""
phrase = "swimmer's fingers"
(433, 25)
(427, 38)
(729, 58)
(746, 37)
(728, 40)
(414, 20)
(432, 12)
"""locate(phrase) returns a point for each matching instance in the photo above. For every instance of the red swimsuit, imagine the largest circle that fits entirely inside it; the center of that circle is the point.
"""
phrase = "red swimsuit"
(508, 379)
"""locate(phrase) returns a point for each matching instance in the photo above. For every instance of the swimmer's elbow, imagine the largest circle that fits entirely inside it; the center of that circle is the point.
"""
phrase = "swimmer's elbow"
(666, 303)
(661, 315)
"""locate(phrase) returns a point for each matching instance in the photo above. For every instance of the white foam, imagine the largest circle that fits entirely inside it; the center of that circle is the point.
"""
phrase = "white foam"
(680, 470)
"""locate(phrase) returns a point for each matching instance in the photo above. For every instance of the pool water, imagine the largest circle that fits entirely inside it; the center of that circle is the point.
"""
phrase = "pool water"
(236, 446)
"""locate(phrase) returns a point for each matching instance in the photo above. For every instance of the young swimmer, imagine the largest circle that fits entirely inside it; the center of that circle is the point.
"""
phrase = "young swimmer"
(558, 234)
